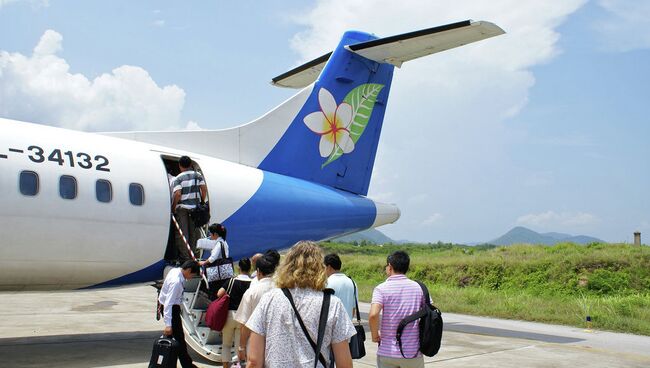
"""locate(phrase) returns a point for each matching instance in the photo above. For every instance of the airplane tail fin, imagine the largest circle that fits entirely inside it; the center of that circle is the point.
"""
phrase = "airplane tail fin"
(328, 132)
(333, 139)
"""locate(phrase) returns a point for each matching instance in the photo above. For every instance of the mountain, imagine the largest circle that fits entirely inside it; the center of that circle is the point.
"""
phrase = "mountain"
(557, 236)
(521, 234)
(371, 236)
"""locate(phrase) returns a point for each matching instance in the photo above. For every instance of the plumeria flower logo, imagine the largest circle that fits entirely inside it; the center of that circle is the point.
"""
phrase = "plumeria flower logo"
(332, 123)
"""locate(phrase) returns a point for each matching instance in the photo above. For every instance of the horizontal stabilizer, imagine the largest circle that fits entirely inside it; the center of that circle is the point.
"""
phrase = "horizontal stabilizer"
(408, 46)
(396, 50)
(303, 75)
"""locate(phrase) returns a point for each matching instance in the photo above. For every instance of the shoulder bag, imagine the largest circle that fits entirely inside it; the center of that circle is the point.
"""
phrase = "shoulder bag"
(217, 313)
(222, 268)
(322, 323)
(357, 342)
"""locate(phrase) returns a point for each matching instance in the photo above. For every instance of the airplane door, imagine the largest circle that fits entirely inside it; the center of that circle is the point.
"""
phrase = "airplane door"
(174, 238)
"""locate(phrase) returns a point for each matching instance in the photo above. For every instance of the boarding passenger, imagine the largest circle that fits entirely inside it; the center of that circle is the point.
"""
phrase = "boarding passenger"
(265, 267)
(171, 298)
(214, 243)
(189, 191)
(277, 339)
(231, 329)
(342, 285)
(273, 256)
(254, 259)
(395, 299)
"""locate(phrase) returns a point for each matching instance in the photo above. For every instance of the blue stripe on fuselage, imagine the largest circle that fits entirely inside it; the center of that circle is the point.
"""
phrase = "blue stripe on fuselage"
(150, 273)
(285, 210)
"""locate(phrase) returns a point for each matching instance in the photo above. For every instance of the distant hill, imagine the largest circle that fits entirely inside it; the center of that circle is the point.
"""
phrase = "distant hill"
(521, 234)
(371, 236)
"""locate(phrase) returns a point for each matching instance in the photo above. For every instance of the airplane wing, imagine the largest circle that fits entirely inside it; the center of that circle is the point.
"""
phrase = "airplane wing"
(397, 49)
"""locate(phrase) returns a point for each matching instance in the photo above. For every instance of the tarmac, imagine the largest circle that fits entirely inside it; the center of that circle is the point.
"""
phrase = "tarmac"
(116, 328)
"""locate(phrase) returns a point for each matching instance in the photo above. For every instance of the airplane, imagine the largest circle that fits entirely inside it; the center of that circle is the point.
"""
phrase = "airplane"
(88, 210)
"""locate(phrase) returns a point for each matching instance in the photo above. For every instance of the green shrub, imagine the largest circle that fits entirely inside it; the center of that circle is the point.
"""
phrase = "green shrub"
(558, 284)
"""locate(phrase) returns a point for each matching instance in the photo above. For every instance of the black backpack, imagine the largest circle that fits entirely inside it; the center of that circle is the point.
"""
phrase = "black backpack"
(430, 326)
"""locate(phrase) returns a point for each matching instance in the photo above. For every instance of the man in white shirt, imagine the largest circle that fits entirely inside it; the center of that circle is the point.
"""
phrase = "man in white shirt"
(265, 267)
(171, 299)
(340, 283)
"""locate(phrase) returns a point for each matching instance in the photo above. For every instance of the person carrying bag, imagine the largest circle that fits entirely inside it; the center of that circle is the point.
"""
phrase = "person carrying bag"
(219, 266)
(217, 313)
(357, 342)
(200, 214)
(322, 322)
(296, 327)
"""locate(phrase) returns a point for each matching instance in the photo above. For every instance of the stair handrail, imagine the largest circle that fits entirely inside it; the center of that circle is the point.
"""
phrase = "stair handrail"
(189, 248)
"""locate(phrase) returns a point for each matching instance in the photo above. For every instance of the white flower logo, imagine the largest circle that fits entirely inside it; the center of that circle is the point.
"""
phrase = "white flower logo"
(332, 124)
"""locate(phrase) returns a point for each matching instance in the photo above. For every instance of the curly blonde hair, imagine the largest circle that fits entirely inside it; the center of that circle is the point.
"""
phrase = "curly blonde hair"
(302, 267)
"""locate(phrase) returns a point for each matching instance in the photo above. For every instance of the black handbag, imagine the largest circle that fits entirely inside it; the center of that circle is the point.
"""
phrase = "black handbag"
(200, 214)
(164, 353)
(357, 342)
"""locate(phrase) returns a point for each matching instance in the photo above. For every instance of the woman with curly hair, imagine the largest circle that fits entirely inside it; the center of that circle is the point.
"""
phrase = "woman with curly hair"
(277, 338)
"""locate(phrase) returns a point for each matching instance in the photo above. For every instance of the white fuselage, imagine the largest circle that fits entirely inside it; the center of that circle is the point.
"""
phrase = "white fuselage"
(51, 242)
(48, 242)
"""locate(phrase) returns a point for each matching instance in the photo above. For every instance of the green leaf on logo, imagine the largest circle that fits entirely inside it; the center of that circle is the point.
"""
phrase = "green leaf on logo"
(362, 99)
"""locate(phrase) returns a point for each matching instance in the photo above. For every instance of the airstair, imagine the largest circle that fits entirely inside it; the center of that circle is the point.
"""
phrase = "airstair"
(198, 335)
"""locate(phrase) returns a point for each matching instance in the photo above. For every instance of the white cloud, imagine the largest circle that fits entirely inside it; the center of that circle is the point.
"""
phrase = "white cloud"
(159, 23)
(34, 3)
(193, 125)
(40, 88)
(626, 28)
(448, 124)
(563, 220)
(432, 219)
(49, 44)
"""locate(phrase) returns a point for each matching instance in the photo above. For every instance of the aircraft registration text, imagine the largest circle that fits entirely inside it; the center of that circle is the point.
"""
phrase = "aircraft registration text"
(80, 159)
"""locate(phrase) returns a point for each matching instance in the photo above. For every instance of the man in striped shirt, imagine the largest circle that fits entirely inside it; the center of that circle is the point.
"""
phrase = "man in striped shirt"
(395, 299)
(188, 191)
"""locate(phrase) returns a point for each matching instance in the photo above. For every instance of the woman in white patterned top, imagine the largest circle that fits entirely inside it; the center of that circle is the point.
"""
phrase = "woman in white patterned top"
(277, 340)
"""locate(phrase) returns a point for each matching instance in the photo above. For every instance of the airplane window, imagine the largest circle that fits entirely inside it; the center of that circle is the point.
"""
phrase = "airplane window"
(68, 187)
(28, 183)
(136, 194)
(103, 190)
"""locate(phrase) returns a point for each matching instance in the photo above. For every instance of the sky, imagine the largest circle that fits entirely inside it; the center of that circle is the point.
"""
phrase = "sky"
(545, 127)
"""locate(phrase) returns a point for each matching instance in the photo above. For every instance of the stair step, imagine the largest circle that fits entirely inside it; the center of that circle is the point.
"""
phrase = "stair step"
(202, 301)
(208, 336)
(192, 284)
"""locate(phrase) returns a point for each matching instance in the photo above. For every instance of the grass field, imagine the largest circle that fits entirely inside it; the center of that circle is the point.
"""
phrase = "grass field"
(559, 284)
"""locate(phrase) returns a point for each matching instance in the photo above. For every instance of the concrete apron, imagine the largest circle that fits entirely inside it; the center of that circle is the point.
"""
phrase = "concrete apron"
(116, 328)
